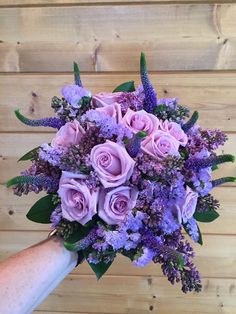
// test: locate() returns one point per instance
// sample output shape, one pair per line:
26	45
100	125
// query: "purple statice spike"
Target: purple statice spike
150	94
134	145
56	216
46	122
77	75
201	163
192	227
188	125
26	184
223	180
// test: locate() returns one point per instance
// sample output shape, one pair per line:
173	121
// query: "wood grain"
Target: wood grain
107	38
138	295
216	258
41	39
213	94
39	3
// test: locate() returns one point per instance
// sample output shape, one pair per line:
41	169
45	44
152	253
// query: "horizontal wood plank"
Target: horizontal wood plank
213	94
13	211
106	37
216	258
140	296
25	142
29	3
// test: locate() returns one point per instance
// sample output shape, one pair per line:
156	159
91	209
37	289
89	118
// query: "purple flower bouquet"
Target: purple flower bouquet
125	173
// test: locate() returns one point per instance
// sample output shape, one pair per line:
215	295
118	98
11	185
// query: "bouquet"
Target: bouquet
126	173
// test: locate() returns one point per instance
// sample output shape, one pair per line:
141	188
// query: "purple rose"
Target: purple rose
70	133
141	120
186	207
160	145
78	202
104	99
112	163
175	130
73	93
115	205
112	111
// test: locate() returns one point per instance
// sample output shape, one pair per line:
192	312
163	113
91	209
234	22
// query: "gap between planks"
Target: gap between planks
125	73
75	3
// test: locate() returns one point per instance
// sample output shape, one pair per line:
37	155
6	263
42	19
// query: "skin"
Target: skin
28	277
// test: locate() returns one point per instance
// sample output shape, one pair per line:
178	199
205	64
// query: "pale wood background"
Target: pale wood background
191	50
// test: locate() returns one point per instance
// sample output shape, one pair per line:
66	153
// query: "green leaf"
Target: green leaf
77	75
17	180
78	234
32	154
100	268
143	63
199	233
215	167
125	87
159	108
180	261
41	211
200	236
207	216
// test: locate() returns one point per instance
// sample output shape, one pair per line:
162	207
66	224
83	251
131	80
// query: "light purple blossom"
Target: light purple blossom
145	258
51	154
116	239
73	93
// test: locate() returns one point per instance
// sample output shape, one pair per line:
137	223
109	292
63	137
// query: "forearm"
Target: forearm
29	276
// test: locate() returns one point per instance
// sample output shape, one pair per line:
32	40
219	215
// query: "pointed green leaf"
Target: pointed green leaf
215	167
17	180
78	234
180	261
19	116
207	216
100	268
200	236
125	87
199	233
143	64
77	75
32	154
41	211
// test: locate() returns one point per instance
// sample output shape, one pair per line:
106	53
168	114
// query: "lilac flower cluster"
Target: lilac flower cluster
133	100
127	173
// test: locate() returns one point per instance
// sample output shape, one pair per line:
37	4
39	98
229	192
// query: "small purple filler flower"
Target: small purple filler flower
73	93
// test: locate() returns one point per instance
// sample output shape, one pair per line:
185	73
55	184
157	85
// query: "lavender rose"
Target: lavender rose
114	205
138	121
186	207
112	111
112	163
104	99
73	93
70	133
175	130
160	145
78	203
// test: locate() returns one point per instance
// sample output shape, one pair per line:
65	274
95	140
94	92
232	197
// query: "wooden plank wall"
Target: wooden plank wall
191	51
